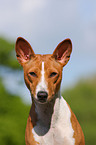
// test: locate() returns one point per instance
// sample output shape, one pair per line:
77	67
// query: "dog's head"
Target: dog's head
43	73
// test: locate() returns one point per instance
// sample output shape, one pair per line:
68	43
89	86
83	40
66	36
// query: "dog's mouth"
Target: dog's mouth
42	100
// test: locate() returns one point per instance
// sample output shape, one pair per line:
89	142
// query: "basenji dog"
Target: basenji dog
51	120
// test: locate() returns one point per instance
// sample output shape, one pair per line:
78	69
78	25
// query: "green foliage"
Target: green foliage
13	118
82	99
7	54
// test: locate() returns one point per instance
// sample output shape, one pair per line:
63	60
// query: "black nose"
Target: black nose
42	96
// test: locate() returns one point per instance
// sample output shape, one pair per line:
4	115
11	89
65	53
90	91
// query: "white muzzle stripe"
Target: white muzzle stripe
41	86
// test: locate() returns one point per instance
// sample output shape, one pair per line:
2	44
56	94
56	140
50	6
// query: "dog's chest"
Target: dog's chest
60	132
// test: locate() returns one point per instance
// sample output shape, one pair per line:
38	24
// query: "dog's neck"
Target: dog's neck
47	114
45	111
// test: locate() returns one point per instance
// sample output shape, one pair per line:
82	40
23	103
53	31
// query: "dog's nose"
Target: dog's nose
42	96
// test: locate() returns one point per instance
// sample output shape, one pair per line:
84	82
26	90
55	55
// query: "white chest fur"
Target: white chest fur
60	131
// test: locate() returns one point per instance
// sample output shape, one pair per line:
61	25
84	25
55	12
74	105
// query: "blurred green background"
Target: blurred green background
14	112
45	23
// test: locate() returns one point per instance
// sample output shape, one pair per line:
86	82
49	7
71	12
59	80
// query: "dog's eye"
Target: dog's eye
53	74
33	74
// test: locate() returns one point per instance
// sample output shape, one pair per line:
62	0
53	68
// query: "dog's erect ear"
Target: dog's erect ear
24	51
63	51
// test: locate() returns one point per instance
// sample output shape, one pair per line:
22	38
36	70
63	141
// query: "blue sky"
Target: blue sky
44	23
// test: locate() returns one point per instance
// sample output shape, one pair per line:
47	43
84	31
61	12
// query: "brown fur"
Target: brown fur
35	65
78	133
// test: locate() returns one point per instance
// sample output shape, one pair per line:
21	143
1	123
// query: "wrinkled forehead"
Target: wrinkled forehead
45	61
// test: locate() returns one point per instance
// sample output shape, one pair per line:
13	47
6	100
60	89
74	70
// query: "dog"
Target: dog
51	120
